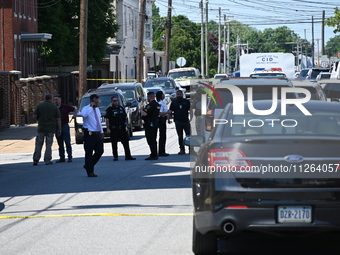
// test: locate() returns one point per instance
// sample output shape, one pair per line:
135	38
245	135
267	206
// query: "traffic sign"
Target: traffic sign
181	61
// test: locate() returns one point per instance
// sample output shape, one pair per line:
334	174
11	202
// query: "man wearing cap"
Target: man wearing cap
65	129
150	116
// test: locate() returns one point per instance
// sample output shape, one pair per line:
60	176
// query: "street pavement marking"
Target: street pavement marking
95	214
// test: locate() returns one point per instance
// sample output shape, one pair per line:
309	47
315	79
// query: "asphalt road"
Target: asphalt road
132	207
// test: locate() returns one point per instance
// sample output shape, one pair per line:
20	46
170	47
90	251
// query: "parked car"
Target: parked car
133	93
155	89
236	74
262	89
258	177
105	101
314	72
221	76
323	76
167	83
303	74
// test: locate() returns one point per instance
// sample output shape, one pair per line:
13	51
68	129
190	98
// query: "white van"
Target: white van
335	71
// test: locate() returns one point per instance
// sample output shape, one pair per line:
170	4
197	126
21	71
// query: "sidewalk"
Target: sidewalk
20	139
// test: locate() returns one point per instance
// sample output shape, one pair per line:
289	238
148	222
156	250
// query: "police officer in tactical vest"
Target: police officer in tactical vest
116	119
150	116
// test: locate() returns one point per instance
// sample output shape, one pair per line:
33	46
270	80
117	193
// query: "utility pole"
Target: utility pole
224	45
323	33
317	41
82	85
219	41
206	40
312	41
306	50
202	39
167	39
140	53
228	51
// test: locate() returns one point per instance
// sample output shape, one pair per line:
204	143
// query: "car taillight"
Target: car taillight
228	158
209	119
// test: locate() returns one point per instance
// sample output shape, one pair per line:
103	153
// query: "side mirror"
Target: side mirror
194	140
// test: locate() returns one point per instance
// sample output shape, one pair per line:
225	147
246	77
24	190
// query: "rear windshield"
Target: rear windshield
294	123
183	74
165	84
259	93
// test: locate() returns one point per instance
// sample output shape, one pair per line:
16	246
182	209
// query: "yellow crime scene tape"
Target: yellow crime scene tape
124	80
94	215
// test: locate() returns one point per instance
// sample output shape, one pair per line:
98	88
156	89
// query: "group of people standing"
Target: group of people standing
53	120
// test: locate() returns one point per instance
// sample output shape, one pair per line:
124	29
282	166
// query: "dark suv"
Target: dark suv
275	174
134	94
105	101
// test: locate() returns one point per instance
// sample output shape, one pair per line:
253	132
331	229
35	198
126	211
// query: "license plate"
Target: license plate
294	214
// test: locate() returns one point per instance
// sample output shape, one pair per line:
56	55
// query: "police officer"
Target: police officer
150	116
116	126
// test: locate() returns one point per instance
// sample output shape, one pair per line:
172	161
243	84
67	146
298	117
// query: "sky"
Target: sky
261	14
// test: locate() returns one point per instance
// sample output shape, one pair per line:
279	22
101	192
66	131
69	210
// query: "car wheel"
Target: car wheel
79	140
203	244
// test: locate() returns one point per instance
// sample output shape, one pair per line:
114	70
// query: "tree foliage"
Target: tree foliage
186	36
62	21
334	21
333	46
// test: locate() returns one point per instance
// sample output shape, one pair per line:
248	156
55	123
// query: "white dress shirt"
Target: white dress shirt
164	108
89	118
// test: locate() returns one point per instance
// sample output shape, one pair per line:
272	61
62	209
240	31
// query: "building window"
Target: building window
147	31
15	48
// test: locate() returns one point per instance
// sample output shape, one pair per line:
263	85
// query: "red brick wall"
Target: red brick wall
14	25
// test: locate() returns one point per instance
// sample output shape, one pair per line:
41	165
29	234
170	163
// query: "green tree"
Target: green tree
184	42
62	21
333	46
334	21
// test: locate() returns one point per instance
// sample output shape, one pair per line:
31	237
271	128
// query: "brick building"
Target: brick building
19	37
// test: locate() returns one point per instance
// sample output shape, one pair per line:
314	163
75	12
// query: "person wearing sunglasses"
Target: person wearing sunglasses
116	119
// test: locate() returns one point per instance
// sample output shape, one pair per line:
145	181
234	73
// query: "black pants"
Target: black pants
122	134
180	127
162	134
92	143
151	138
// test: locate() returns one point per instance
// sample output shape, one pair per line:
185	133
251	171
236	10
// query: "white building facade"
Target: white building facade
123	63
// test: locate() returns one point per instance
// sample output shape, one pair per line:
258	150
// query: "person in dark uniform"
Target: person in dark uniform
181	107
116	119
150	116
162	119
93	134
